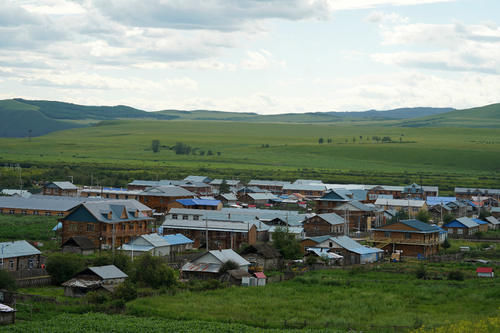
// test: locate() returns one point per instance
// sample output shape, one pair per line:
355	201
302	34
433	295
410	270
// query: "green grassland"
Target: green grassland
31	228
442	156
372	301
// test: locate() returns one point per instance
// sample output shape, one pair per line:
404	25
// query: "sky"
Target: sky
269	57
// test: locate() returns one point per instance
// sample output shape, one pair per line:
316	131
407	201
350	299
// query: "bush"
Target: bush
125	291
456	275
120	260
286	243
446	244
7	281
153	272
421	272
227	266
97	297
62	266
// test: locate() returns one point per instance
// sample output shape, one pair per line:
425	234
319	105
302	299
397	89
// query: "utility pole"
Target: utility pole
113	241
206	232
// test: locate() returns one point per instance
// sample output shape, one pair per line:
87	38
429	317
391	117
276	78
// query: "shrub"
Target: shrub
153	272
63	266
456	275
227	266
446	244
7	281
421	272
97	297
125	291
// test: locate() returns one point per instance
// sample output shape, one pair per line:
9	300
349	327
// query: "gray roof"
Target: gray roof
399	202
41	202
262	196
354	206
331	218
229	196
468	222
308	182
201	267
108	272
154	239
257	182
471	190
495	209
64	185
302	187
167	191
230	182
492	220
17	249
353	246
199	179
207	224
227	254
21	193
101	209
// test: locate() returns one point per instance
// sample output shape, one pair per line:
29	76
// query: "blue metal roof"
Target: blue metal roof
177	239
431	201
478	221
198	202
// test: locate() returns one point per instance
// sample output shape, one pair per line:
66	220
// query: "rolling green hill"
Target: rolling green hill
486	116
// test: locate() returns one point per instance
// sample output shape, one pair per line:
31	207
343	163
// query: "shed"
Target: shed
7	315
485	272
78	244
94	278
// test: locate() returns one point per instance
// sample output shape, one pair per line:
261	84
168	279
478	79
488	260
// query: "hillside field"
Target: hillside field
453	156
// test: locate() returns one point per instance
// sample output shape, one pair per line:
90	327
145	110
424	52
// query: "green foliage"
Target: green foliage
456	275
286	243
448	217
182	148
224	187
153	272
484	213
421	272
227	266
28	227
423	215
400	215
155	145
97	297
62	266
446	244
125	291
6	280
320	140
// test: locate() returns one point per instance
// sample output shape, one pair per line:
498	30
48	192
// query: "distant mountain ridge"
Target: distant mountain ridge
22	118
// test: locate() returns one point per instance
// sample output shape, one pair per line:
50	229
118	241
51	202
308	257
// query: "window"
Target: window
11	212
124	226
196	217
11	264
60	214
387	234
73	227
31	263
126	197
48	213
130	226
460	231
145	199
185	217
407	235
174	216
90	227
35	212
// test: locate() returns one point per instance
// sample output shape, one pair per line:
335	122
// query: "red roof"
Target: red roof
484	270
259	275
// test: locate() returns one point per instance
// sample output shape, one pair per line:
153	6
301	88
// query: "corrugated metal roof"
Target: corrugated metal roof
431	201
260	275
177	239
108	272
21	193
211	225
6	308
230	182
201	267
226	255
167	191
478	221
200	179
302	187
257	182
229	196
399	202
41	203
64	185
100	210
262	196
154	239
492	220
332	218
461	222
17	249
138	248
320	239
471	190
353	246
198	202
292	230
323	252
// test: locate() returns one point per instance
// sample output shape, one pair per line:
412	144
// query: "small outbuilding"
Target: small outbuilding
485	272
92	279
7	315
79	245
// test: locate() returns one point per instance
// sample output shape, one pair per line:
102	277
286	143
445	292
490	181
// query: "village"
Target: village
238	234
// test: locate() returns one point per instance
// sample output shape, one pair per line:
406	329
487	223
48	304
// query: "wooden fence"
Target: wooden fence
36	277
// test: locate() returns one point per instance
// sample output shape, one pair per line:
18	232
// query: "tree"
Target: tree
447	218
153	272
286	243
224	187
6	280
120	260
125	291
209	153
329	140
484	213
423	216
155	145
386	139
320	140
400	215
446	244
63	266
227	266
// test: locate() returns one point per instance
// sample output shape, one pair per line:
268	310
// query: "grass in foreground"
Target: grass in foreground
368	301
16	227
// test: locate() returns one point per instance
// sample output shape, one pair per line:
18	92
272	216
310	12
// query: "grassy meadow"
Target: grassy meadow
456	156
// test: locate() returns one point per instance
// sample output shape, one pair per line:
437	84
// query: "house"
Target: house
461	227
329	258
308	191
208	265
221	234
198	179
412	207
483	225
160	198
17	193
79	244
197	204
351	251
39	205
297	231
109	193
152	243
274	186
495	211
7	315
416	191
107	223
232	183
411	237
485	272
469	192
227	199
361	217
324	224
493	223
330	200
263	257
258	199
92	279
178	243
19	256
66	189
